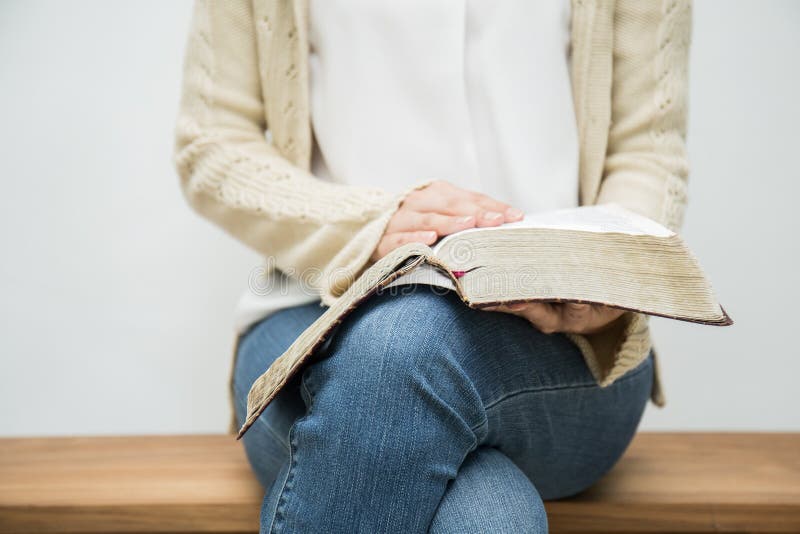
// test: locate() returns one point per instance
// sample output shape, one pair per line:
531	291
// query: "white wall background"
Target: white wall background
115	299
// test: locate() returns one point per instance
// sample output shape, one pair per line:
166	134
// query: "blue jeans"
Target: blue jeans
422	414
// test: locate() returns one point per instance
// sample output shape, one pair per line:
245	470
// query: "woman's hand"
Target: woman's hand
440	209
566	317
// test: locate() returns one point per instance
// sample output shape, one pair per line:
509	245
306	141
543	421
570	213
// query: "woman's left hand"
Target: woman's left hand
566	317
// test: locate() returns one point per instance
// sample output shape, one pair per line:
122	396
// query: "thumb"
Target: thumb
577	306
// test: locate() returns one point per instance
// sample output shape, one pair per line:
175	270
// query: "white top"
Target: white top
485	83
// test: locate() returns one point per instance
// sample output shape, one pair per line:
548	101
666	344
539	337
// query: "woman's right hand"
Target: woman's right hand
440	209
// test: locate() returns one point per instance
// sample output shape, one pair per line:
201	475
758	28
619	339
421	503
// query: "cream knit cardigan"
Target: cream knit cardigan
246	73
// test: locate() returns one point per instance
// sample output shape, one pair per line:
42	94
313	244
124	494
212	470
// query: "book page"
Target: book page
604	218
425	274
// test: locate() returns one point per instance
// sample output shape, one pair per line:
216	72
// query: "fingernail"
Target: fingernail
430	235
514	213
466	219
492	215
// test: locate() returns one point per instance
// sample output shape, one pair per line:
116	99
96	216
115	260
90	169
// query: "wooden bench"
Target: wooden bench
682	482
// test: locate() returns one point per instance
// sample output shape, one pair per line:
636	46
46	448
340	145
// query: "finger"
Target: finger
411	217
443	197
412	221
462	206
483	217
489	218
436	198
576	316
543	316
488	204
389	242
511	309
577	306
513	214
601	317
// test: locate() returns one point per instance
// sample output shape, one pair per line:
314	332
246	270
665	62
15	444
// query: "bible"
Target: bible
602	254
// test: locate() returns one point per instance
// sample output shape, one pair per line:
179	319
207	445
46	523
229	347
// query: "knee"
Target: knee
393	350
520	507
386	341
490	494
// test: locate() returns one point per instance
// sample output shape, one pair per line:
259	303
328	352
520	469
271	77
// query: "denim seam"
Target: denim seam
285	481
477	427
640	369
471	448
292	458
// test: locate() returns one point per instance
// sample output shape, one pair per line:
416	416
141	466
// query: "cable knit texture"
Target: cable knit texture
243	142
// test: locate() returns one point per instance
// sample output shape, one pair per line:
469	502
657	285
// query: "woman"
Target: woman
324	134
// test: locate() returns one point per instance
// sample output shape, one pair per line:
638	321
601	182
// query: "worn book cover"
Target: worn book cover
594	254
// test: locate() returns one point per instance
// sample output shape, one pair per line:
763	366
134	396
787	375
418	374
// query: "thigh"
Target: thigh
266	443
566	436
543	407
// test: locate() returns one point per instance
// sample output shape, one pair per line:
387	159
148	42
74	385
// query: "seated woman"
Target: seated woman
326	133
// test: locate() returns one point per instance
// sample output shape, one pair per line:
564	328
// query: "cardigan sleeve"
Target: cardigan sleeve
646	167
321	232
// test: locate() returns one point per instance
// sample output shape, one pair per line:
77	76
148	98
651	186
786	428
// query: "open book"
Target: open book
594	254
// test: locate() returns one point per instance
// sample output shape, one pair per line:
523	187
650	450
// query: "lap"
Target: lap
543	407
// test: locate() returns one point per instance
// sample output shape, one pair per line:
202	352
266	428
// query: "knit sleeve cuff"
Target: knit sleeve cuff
354	258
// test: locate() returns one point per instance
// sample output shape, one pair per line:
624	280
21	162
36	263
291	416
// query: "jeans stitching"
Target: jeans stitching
477	427
625	378
292	461
285	482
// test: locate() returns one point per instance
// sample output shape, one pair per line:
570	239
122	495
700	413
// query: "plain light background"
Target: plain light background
117	299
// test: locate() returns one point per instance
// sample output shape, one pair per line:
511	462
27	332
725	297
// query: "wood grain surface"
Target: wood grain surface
681	482
692	482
